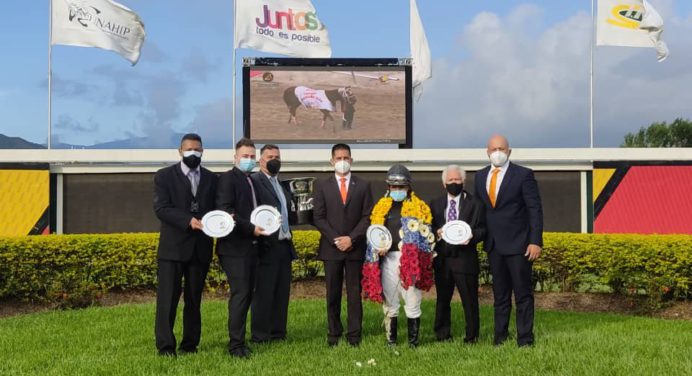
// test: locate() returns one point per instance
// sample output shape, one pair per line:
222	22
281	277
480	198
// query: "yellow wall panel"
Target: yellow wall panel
24	196
601	176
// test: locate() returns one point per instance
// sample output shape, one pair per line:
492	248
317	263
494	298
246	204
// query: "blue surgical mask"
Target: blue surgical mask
247	164
397	195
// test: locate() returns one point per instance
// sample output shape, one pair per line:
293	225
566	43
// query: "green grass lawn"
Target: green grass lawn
120	340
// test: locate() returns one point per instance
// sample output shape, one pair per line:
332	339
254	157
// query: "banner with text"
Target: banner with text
287	27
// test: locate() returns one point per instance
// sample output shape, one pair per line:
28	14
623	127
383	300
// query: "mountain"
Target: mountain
167	142
7	142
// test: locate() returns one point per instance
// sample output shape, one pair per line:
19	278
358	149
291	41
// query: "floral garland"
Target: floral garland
417	241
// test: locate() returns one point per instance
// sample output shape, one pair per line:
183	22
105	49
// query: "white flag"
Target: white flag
287	27
630	23
97	23
420	51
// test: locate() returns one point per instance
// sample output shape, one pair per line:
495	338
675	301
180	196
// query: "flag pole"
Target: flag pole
50	70
234	70
591	44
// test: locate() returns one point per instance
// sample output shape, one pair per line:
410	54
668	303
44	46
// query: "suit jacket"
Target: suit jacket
333	218
517	218
234	196
266	195
172	203
460	258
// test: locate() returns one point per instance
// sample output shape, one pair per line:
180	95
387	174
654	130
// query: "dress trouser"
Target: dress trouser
272	291
467	286
334	271
512	273
392	289
170	285
241	273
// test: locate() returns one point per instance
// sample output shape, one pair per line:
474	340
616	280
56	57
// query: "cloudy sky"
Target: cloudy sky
516	67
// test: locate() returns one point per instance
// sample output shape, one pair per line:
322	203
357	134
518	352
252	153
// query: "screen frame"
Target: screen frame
340	63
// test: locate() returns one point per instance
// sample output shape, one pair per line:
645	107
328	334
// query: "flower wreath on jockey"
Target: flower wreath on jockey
405	269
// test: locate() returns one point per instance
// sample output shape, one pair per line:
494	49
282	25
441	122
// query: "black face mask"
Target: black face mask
192	161
273	166
454	189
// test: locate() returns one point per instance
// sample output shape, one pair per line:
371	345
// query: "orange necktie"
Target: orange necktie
493	185
343	190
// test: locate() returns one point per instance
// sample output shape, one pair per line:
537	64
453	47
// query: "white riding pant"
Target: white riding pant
391	286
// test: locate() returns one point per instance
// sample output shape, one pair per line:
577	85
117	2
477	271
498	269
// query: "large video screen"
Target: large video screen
327	104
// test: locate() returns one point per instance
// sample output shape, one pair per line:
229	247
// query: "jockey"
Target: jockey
406	267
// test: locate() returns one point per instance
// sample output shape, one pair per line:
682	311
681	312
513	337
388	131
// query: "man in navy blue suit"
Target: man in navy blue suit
514	217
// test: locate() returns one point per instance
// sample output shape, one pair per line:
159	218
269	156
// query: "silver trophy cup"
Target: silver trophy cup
301	205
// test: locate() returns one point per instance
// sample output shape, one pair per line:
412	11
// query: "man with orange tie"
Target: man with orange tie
514	218
341	212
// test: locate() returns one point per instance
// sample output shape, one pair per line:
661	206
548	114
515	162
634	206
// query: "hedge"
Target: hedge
76	269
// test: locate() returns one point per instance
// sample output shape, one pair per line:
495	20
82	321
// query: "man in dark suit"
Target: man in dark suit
273	285
457	265
514	216
238	251
341	211
183	193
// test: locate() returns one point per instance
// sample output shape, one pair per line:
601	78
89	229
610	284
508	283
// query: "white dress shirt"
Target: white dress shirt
186	171
338	181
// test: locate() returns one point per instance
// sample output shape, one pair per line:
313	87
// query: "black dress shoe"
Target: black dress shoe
242	352
526	344
471	341
497	341
445	339
354	343
170	353
183	351
332	342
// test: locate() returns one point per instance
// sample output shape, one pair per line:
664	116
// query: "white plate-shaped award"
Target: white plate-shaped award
217	223
456	232
379	237
267	217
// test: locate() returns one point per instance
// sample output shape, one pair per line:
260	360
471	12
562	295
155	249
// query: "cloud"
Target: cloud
196	66
71	88
124	81
67	123
533	86
162	95
151	53
213	123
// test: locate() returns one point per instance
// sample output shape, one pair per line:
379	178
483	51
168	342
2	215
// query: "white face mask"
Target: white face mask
342	167
498	158
196	153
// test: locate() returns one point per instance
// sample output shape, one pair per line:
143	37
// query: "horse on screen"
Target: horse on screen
323	100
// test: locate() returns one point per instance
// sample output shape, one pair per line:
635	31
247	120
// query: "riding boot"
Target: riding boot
413	331
390	329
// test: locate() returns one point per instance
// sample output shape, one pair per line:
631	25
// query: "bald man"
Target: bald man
514	218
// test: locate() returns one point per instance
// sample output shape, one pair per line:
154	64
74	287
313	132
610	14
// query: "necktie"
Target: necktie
344	191
452	212
284	234
192	175
493	185
252	189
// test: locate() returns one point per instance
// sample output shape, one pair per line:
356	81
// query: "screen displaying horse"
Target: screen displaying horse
326	104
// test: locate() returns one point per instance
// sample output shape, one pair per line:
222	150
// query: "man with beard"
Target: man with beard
273	286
